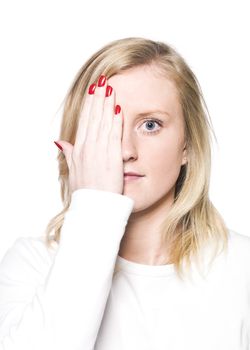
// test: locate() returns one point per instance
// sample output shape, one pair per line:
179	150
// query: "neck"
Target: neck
142	240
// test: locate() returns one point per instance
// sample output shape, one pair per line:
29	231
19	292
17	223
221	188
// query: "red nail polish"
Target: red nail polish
102	80
117	109
109	90
92	89
59	146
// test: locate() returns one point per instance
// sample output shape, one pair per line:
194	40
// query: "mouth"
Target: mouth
132	173
128	177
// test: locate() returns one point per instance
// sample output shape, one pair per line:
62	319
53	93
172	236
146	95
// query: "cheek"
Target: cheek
165	160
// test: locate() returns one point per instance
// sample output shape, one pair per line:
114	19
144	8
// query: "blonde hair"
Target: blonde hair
193	222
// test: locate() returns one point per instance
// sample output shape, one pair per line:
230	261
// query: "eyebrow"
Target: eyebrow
144	114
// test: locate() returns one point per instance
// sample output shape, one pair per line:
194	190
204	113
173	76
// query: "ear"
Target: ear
184	155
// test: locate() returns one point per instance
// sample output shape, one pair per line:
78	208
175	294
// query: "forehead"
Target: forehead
145	88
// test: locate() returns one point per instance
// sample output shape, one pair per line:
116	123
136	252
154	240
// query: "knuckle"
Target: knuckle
99	92
91	140
106	127
116	135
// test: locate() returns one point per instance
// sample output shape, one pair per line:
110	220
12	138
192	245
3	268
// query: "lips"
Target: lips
132	174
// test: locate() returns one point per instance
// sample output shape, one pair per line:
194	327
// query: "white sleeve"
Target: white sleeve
66	310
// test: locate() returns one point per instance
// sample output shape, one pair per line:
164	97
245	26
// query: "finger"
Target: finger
67	149
96	110
108	114
84	118
117	127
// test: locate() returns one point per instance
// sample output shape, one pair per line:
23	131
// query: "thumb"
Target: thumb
66	148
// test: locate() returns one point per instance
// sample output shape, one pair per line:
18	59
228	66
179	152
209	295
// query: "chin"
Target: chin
145	205
141	205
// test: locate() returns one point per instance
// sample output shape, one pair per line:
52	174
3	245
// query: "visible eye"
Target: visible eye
150	123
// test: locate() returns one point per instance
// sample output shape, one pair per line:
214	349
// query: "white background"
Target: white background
43	45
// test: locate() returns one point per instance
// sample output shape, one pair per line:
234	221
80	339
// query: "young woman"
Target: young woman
139	258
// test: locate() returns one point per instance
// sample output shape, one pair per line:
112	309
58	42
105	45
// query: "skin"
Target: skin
158	156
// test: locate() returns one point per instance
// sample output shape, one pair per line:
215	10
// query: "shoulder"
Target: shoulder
239	252
239	243
27	259
23	269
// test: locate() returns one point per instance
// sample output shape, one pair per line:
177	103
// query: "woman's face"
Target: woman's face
155	151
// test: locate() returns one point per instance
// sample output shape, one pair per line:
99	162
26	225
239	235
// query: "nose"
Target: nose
129	144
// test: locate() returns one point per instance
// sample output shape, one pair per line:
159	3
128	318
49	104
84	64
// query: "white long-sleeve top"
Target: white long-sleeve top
69	297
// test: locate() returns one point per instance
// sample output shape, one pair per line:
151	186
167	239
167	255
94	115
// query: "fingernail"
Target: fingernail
109	90
117	109
59	146
102	80
92	89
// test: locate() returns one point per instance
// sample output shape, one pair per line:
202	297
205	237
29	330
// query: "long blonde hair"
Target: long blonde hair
193	221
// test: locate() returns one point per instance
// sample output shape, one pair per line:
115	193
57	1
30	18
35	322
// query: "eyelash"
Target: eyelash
158	122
